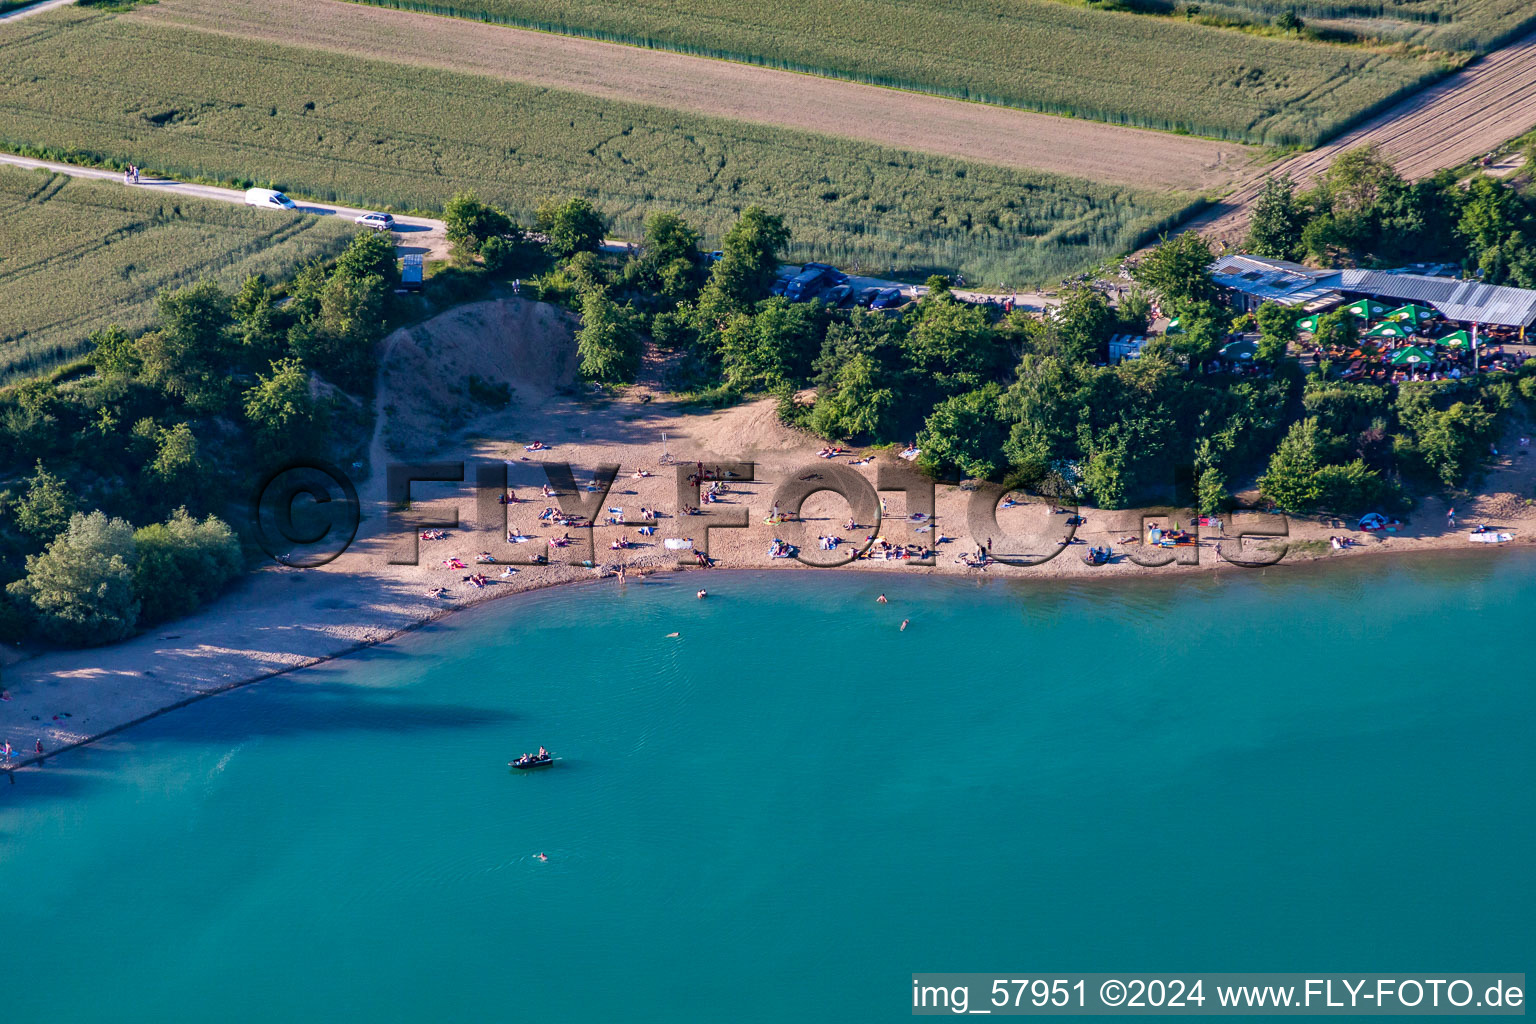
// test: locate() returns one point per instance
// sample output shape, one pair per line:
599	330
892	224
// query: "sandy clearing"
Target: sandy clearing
281	618
1458	119
888	117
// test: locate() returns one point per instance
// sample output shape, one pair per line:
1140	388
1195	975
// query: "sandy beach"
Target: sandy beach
281	618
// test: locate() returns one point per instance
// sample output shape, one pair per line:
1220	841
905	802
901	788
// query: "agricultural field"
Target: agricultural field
898	119
373	133
77	255
1455	25
1115	66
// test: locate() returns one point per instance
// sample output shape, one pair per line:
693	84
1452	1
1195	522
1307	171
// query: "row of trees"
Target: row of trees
164	431
1361	212
1029	398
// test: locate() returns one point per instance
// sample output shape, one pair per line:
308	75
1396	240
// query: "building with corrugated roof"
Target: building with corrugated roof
1256	280
1259	280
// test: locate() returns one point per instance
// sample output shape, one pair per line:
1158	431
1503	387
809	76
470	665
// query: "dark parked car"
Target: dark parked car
866	296
889	298
777	288
813	279
838	295
837	276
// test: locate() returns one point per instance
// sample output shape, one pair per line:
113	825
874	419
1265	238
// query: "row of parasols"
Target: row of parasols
1396	325
1388	325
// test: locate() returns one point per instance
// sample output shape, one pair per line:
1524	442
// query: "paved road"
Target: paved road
412	234
37	8
1456	120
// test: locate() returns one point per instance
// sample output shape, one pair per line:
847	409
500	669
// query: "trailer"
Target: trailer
411	273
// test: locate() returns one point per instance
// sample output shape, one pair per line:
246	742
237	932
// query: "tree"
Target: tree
339	339
469	222
113	352
1356	180
748	264
281	409
952	346
369	253
1203	328
1336	329
1278	220
608	344
1290	22
175	465
498	253
81	588
964	434
1350	487
190	354
1179	270
1082	324
1447	445
571	227
1290	481
258	322
1211	492
182	563
861	404
772	348
1277	329
670	262
46	508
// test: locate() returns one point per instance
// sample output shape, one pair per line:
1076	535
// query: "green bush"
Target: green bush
82	588
182	564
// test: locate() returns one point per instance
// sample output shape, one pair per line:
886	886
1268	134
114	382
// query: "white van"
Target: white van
269	198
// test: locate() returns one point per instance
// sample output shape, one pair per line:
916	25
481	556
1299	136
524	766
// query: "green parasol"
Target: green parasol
1389	330
1411	314
1239	350
1410	356
1366	309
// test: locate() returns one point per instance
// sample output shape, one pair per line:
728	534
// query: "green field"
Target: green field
1125	68
1471	25
372	133
77	255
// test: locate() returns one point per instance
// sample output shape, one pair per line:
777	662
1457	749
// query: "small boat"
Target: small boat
1489	537
527	761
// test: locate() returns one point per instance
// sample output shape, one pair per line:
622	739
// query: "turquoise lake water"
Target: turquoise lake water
784	812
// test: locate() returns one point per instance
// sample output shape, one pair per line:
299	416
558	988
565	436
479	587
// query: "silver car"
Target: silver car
377	221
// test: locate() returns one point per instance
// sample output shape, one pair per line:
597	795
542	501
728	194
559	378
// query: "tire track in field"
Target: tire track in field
901	120
1456	120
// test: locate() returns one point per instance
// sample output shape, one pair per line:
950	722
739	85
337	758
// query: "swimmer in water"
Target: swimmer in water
904	624
703	594
881	600
671	635
541	857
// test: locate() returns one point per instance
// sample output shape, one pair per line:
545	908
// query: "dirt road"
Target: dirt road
910	121
412	234
1456	120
